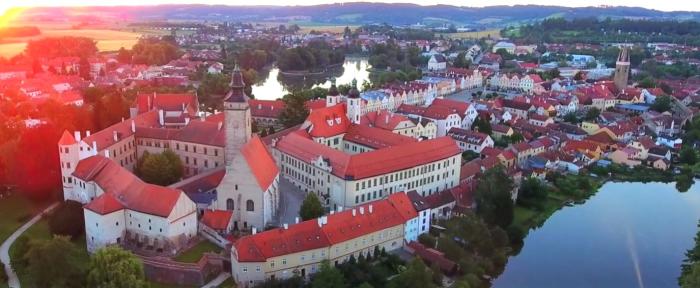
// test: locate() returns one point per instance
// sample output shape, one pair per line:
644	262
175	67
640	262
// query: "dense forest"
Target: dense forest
592	30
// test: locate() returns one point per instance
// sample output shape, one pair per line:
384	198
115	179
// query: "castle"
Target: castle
122	209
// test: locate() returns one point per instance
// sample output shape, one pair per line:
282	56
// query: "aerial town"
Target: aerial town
239	154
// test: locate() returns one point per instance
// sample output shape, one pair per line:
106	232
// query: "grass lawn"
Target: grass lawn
14	211
195	253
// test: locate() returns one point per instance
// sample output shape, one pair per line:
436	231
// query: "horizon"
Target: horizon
666	6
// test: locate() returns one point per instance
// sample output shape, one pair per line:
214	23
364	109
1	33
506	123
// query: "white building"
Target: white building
437	62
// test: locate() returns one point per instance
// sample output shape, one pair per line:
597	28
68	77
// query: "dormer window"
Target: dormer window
337	120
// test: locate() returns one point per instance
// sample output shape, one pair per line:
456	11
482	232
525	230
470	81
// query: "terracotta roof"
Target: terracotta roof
104	204
266	108
260	162
516	105
67	139
217	219
169	102
340	227
328	121
374	137
368	164
467	136
434	257
129	190
383	119
460	106
105	137
441	198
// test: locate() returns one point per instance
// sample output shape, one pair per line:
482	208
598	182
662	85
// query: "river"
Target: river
274	86
627	235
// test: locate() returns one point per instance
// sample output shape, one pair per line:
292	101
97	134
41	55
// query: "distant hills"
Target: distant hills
364	13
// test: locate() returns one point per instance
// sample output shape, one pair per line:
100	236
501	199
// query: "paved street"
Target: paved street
13	281
218	280
290	202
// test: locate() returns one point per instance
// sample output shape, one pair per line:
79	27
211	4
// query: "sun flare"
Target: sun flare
8	14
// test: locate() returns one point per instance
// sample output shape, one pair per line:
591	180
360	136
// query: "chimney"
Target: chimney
76	135
187	120
161	117
319	222
115	136
122	119
255	230
387	119
87	133
221	124
133	126
94	147
324	219
362	210
353	212
332	212
286	226
296	220
370	208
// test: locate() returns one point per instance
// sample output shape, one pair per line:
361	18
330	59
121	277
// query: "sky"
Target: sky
668	5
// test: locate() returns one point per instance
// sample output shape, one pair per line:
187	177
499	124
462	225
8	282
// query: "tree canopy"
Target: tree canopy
328	276
161	169
53	263
493	197
114	267
65	46
67	219
311	207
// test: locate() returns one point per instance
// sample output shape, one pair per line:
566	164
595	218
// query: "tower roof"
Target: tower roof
236	92
333	91
354	93
67	139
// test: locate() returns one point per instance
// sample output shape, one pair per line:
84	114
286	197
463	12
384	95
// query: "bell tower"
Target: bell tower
333	97
236	116
354	104
622	69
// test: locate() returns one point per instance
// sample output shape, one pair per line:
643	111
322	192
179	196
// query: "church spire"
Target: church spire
236	92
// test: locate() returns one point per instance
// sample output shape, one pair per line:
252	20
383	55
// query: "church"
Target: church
120	208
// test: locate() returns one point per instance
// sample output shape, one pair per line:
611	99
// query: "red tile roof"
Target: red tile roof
328	121
169	102
217	219
374	137
340	227
460	106
266	108
104	204
260	162
66	139
383	119
105	137
129	190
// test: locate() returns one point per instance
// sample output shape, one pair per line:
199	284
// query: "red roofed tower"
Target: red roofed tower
69	156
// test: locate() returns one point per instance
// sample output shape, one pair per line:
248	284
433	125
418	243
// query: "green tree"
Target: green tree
114	267
211	91
661	104
84	68
54	263
689	268
692	278
161	169
532	193
311	207
295	111
484	126
571	118
328	276
493	197
415	275
688	155
592	114
18	254
67	219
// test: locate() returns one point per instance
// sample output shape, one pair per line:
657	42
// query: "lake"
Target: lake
275	85
627	235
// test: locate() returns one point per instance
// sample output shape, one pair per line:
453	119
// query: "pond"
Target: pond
276	84
627	235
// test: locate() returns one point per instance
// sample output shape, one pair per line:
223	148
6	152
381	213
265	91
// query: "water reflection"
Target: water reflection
276	84
627	235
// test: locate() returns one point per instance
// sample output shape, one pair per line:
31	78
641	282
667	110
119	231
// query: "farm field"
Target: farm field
493	33
107	40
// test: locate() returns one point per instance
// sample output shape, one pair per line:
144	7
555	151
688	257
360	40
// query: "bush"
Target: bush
3	274
68	220
17	256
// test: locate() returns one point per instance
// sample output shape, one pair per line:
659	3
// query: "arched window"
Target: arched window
229	204
249	205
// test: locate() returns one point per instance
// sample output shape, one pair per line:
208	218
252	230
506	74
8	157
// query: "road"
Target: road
217	281
13	281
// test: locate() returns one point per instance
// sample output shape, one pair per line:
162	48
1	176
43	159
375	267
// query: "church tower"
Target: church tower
333	97
354	104
236	116
622	69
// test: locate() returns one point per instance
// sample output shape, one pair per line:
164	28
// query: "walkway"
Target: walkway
13	281
218	280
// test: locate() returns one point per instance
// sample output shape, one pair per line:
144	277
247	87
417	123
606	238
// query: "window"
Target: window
229	204
250	205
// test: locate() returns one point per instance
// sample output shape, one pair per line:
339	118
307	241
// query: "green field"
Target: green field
15	211
195	253
493	33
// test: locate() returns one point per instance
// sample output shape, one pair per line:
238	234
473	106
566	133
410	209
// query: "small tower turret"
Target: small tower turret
354	104
333	97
